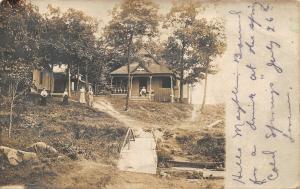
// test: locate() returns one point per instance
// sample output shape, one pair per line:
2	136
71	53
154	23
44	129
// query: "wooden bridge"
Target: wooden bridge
138	153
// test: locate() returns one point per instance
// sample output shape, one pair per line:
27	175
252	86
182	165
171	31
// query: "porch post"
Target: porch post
150	87
172	91
131	78
111	81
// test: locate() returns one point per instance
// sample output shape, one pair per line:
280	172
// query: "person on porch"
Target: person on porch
143	91
44	95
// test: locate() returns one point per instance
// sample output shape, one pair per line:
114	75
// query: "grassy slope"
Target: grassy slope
154	112
75	131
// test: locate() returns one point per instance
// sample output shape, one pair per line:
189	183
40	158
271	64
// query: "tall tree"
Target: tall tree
211	43
19	33
193	44
132	20
69	38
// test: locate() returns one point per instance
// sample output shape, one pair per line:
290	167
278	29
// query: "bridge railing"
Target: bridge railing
128	138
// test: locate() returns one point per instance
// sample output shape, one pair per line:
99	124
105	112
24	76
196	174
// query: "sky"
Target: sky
101	10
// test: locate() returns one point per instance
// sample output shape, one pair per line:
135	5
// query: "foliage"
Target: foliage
133	22
18	46
207	146
194	41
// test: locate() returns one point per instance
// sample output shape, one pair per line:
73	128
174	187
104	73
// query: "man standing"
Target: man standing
44	95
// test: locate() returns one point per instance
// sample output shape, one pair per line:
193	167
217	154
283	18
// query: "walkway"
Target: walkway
139	155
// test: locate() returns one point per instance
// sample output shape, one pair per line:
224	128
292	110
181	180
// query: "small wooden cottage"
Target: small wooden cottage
53	81
160	82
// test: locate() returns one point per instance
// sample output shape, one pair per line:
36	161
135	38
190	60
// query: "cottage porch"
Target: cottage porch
158	87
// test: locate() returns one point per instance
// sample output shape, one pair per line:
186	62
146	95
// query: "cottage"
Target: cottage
42	78
53	81
160	82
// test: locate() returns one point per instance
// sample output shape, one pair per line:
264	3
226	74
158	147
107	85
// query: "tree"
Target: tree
193	44
210	40
81	41
132	20
69	38
19	35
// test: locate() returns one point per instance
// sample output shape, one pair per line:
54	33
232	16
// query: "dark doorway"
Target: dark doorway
60	82
142	83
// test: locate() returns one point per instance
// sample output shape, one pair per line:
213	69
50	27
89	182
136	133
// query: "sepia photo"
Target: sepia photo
143	94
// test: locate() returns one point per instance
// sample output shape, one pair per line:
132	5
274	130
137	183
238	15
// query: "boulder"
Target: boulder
15	157
43	148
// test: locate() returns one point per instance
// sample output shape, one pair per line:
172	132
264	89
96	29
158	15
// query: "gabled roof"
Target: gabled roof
148	66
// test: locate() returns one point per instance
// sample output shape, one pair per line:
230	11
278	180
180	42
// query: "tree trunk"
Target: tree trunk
13	93
69	81
51	79
10	117
78	77
86	76
128	71
181	72
181	87
204	91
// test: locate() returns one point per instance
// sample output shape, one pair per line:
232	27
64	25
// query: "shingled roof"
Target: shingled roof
148	66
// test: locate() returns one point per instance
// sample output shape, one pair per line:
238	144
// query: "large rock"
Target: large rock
13	187
15	157
43	148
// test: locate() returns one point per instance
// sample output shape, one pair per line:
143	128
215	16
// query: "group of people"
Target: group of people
90	96
65	101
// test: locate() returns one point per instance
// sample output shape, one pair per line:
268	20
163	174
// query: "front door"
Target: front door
142	83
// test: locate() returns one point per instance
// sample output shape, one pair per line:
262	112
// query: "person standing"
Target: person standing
91	97
65	98
82	96
44	95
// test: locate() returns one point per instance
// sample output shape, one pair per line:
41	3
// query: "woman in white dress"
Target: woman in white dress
91	97
82	96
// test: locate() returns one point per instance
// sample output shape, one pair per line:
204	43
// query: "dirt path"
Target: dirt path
138	155
103	105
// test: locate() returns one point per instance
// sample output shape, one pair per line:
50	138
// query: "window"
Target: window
166	82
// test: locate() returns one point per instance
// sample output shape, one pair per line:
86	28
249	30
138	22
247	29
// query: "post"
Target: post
131	78
111	81
150	87
172	91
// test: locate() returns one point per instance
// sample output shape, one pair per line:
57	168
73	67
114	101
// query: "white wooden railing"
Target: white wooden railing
128	138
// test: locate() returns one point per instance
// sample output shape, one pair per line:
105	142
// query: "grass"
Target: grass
154	112
76	131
